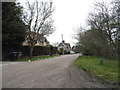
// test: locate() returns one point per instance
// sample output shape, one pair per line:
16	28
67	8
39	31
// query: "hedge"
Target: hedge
37	51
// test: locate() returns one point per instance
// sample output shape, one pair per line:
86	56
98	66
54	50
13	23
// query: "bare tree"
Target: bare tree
37	16
103	20
100	37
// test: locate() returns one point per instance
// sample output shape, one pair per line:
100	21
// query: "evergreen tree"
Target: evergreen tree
13	28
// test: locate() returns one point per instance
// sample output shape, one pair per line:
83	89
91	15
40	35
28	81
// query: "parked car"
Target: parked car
72	52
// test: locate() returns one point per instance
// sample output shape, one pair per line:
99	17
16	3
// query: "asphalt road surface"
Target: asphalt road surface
58	72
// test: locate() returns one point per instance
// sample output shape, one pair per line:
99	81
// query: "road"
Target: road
58	72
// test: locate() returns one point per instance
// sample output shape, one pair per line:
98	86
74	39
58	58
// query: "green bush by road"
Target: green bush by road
108	71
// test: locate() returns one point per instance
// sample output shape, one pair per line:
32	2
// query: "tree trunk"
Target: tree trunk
31	51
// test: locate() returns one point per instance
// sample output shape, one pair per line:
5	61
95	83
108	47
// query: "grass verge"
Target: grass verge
107	72
34	58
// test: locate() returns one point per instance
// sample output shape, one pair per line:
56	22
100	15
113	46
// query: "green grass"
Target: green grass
108	71
34	58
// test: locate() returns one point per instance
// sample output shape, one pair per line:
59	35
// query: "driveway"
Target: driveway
58	72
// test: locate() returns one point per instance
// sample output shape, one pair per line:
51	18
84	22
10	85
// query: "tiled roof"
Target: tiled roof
65	44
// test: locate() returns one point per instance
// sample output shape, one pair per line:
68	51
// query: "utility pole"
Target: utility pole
62	37
62	44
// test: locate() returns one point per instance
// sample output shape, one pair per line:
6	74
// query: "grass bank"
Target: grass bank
34	58
107	72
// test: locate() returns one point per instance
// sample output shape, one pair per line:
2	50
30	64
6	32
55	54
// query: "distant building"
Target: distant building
64	47
41	41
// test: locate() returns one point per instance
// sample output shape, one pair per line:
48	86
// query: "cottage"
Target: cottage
64	48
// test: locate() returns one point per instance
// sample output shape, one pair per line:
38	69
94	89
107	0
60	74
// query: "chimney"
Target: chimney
63	41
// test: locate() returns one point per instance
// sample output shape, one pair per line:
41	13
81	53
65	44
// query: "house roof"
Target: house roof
40	37
65	45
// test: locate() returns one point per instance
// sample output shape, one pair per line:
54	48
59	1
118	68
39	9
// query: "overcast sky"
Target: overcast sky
68	14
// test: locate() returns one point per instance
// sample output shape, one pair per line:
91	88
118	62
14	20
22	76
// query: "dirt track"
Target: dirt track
58	72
